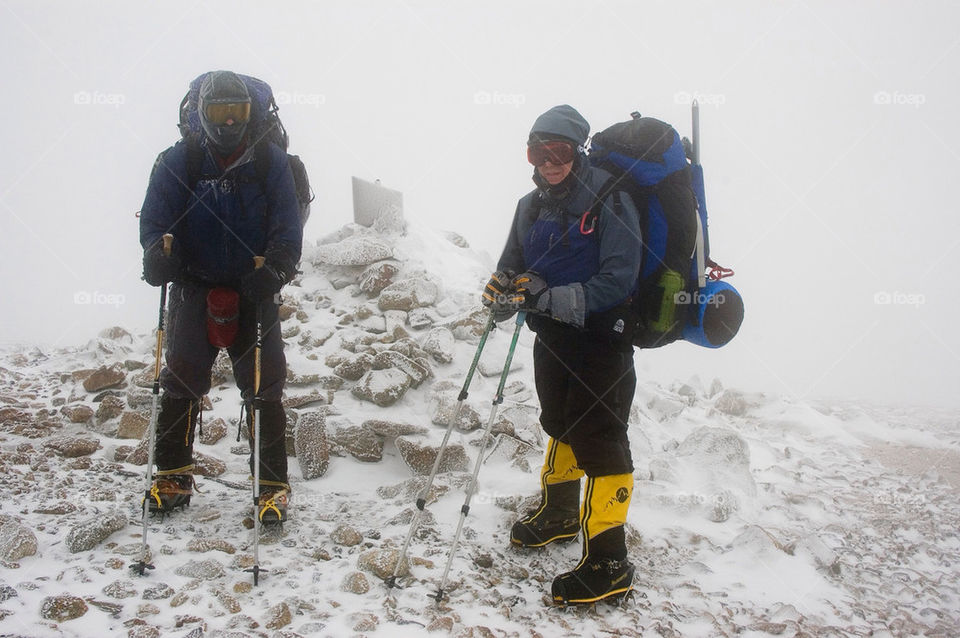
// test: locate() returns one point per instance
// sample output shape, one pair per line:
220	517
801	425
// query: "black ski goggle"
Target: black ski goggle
556	153
219	113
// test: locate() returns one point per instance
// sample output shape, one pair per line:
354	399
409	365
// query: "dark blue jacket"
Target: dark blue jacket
605	262
231	216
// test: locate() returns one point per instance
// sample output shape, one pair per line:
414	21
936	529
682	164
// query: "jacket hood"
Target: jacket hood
562	121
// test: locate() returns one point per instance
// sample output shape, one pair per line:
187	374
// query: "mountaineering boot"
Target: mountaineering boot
272	505
604	571
557	518
170	491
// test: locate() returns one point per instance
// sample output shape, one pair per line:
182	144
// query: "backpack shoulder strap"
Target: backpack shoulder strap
195	153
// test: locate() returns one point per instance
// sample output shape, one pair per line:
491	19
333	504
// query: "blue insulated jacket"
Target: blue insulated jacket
231	216
551	237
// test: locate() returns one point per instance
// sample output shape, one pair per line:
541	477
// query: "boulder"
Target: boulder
346	536
72	446
110	408
731	403
62	608
420	458
208	569
439	344
378	276
354	367
382	562
442	407
16	540
353	251
360	443
382	387
311	445
392	359
213	431
133	425
355	583
89	533
105	377
391	430
407	294
77	413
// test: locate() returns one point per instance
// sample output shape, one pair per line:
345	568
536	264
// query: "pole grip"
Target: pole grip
167	244
258	262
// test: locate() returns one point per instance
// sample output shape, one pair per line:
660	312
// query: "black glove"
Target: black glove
159	268
499	296
262	283
531	288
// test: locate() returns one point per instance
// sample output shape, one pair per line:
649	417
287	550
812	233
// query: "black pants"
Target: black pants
186	378
190	357
586	386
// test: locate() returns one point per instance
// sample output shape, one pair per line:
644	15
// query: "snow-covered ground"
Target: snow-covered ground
752	515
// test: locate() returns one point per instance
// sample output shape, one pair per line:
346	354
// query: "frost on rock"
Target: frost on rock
89	533
16	540
382	387
311	445
382	562
443	406
62	608
420	458
378	276
105	377
409	294
353	251
360	443
209	569
439	344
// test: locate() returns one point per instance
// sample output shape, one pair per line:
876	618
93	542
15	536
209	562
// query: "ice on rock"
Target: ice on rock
353	251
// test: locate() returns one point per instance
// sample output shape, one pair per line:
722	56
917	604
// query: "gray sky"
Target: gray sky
829	142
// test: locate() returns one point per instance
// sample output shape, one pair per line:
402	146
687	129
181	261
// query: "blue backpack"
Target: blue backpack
649	162
265	127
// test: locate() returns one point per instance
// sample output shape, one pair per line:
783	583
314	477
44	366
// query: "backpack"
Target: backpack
265	127
649	162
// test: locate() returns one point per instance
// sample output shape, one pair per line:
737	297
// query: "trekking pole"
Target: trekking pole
391	581
465	508
142	564
258	263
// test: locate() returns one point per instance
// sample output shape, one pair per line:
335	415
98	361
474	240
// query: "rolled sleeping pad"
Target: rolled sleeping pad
718	316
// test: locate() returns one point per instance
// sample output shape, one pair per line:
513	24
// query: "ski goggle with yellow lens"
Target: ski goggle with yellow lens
219	113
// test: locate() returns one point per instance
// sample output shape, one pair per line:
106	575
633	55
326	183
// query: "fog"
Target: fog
829	138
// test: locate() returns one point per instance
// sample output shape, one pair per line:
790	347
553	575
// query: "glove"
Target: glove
531	287
499	296
497	289
159	268
262	283
565	304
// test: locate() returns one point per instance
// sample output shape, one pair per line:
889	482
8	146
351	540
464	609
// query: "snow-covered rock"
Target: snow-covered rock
310	442
382	387
353	251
